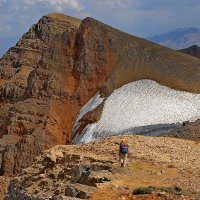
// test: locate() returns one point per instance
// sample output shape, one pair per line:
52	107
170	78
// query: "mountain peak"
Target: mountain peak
62	17
194	50
194	46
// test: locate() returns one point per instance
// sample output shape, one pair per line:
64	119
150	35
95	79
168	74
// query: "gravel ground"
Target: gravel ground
152	161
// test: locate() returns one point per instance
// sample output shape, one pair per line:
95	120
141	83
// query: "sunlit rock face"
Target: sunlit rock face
143	106
58	66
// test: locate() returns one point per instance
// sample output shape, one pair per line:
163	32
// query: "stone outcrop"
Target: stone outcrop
58	65
4	182
92	170
60	174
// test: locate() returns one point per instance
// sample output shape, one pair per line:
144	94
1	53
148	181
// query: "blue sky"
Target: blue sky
139	17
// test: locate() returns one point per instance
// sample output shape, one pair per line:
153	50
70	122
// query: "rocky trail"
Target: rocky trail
92	171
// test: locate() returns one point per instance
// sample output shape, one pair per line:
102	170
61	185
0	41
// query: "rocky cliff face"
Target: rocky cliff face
58	66
32	91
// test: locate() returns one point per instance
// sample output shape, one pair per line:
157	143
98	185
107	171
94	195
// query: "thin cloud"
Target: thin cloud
139	17
58	5
2	2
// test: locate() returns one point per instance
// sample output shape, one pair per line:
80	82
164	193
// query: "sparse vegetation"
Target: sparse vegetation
144	190
150	189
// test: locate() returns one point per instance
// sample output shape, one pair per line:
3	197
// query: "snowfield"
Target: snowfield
140	105
89	106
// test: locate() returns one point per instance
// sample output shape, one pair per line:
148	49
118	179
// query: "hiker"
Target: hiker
123	151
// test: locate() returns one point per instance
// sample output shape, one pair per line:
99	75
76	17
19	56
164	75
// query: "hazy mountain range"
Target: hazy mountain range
178	38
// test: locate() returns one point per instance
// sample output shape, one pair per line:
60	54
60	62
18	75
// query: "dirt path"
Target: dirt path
139	174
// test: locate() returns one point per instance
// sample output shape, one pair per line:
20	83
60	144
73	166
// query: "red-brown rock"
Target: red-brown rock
58	66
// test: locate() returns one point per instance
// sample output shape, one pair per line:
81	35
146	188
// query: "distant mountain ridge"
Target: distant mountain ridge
178	38
193	51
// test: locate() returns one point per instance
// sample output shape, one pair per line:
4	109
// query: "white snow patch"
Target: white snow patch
86	135
89	106
143	103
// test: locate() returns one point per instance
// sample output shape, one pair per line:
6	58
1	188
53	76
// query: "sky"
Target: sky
138	17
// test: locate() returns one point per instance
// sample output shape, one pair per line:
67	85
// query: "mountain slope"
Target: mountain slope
58	66
179	38
193	51
93	171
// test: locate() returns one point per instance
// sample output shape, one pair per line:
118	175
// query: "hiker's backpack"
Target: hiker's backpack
123	148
